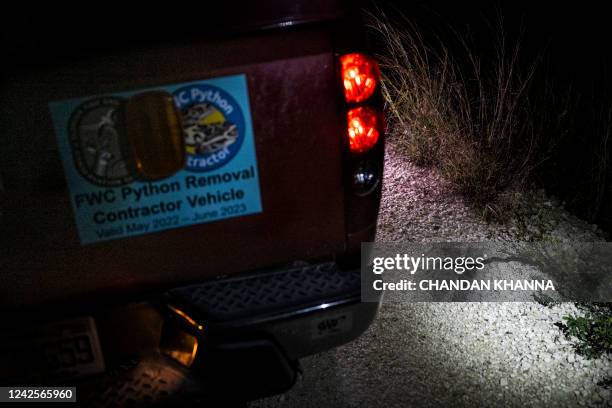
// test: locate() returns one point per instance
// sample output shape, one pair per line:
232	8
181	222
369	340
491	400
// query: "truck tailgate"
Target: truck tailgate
296	122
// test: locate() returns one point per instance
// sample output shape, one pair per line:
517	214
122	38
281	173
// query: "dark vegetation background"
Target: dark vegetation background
572	87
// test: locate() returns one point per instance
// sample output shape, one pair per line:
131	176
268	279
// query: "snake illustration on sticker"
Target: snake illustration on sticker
213	125
148	160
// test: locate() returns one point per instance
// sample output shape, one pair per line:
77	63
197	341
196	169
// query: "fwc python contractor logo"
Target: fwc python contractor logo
103	142
213	124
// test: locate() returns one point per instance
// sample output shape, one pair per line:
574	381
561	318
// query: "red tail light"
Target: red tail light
363	128
359	75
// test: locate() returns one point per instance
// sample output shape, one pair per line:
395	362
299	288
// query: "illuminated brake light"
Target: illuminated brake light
359	76
363	125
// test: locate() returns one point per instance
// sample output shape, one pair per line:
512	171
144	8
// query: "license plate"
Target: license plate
60	350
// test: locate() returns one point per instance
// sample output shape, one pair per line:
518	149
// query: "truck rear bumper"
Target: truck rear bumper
304	310
252	330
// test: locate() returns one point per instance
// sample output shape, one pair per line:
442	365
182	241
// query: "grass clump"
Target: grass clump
592	332
473	118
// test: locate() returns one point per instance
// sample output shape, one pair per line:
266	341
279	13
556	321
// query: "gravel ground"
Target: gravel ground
456	354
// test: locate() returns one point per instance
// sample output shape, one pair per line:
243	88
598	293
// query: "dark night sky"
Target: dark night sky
576	35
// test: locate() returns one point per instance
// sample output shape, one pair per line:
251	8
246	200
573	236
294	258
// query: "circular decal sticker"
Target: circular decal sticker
97	142
213	124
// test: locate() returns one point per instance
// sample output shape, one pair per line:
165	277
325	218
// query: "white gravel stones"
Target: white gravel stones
457	354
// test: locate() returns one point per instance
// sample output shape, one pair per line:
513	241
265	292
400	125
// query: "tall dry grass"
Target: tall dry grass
471	117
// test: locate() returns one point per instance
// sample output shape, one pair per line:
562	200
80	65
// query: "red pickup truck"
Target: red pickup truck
184	216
